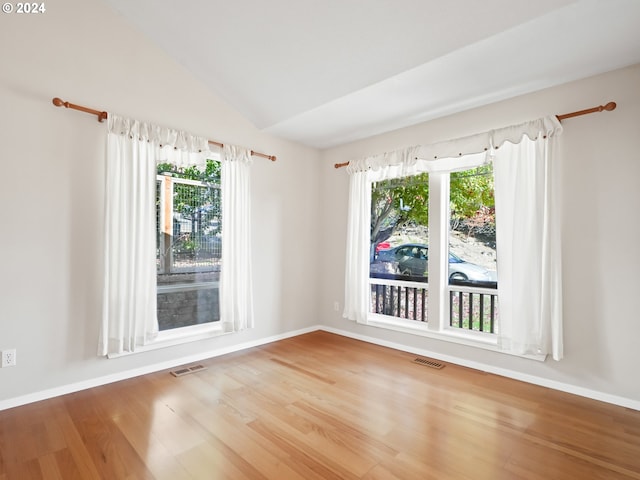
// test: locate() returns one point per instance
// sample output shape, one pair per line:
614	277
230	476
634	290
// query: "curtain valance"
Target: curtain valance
178	147
405	157
449	155
162	136
546	126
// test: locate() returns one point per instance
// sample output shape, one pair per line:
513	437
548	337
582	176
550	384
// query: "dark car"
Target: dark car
411	259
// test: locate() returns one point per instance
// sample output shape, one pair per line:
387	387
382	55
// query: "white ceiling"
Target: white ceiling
325	72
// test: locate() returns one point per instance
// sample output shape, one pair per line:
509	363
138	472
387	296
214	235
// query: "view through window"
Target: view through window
189	245
472	250
399	252
399	246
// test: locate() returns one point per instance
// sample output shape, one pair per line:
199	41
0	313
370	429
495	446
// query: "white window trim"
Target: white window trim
178	336
191	333
485	341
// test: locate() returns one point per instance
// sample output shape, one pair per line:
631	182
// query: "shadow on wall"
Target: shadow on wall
85	174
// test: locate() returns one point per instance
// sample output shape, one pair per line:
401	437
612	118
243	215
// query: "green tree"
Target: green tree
210	174
472	199
396	202
402	201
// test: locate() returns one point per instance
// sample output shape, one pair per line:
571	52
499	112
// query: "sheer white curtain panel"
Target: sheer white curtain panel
129	300
362	173
528	224
236	282
129	318
356	280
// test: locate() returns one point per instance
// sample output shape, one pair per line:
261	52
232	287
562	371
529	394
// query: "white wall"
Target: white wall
601	199
51	197
51	204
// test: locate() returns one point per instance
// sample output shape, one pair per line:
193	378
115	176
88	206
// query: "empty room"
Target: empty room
320	240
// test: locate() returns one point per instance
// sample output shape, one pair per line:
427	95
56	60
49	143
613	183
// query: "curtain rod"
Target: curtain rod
102	116
608	107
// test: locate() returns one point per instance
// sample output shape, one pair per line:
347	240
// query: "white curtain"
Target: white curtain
528	239
129	317
362	173
356	280
129	305
236	291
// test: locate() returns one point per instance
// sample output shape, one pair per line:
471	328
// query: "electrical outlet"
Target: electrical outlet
336	306
9	358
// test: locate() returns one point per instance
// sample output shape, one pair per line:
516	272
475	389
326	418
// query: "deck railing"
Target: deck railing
472	305
399	296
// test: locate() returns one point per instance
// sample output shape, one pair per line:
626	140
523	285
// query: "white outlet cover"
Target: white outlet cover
8	358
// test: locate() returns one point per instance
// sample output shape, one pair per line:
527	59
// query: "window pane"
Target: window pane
472	250
472	234
189	245
399	246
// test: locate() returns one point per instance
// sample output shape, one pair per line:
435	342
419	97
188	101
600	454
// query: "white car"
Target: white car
411	259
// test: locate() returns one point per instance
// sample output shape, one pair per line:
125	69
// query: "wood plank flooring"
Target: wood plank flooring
320	406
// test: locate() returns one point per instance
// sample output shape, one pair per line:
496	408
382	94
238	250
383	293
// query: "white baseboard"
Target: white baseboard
95	382
503	372
156	367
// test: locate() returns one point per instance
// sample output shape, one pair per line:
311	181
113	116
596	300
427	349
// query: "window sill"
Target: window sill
178	336
481	340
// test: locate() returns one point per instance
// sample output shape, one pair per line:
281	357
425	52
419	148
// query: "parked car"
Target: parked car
411	259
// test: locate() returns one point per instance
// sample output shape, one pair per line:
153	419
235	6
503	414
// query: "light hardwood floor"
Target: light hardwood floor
320	406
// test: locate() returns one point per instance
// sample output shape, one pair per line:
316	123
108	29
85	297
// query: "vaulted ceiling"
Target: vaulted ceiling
325	72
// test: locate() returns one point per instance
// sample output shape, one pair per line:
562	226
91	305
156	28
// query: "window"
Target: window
418	295
189	245
399	238
405	220
156	255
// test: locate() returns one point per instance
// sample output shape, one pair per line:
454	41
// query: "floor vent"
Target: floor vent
427	362
187	370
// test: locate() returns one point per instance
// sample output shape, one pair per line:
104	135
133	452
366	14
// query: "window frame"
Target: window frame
437	324
188	333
